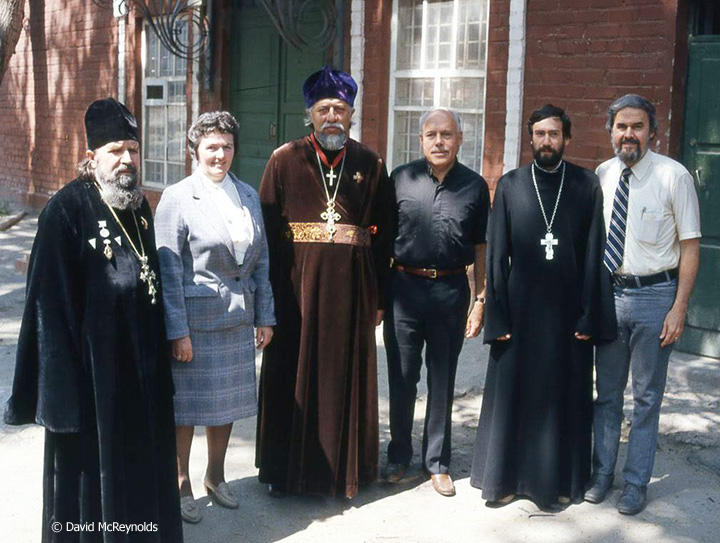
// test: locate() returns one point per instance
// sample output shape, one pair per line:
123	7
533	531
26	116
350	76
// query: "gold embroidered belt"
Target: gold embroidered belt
315	232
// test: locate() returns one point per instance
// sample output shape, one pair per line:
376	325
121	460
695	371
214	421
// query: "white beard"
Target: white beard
331	142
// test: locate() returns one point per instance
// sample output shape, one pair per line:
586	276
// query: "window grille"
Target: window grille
438	59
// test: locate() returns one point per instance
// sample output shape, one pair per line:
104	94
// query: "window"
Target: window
165	113
438	59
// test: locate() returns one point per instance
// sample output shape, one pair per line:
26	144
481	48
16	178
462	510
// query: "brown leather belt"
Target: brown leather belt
430	273
315	232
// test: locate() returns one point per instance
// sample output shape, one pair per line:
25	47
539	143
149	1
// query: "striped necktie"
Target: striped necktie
615	246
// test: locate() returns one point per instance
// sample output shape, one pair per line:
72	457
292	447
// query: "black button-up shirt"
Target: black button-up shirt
439	224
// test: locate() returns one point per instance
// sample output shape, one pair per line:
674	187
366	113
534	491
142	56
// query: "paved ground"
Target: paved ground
684	493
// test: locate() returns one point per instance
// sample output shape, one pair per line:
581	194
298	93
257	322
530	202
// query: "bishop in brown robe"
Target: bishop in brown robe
327	205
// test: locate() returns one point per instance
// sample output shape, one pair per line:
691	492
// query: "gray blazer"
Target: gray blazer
204	288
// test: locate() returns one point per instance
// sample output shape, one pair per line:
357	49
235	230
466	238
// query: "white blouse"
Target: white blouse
234	214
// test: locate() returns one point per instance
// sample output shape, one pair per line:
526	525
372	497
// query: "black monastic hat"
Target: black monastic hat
108	120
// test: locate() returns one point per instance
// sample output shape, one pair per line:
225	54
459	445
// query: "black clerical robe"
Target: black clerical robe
318	418
93	368
534	435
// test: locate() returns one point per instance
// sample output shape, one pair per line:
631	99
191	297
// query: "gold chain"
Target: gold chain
140	255
146	274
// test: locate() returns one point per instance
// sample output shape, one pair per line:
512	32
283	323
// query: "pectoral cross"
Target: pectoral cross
548	242
330	216
148	276
331	176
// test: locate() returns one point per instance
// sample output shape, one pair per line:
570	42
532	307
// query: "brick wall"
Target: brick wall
65	58
495	102
583	54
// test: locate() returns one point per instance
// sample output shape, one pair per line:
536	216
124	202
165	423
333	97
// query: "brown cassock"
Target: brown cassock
318	417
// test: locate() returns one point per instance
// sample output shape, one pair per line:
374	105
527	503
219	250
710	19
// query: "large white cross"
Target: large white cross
548	242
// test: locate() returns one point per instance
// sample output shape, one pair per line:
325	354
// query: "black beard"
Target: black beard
547	162
630	157
120	190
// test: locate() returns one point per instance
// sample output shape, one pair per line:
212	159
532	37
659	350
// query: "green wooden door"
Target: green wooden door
266	89
701	155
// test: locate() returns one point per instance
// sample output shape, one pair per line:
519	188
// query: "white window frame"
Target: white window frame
160	102
436	74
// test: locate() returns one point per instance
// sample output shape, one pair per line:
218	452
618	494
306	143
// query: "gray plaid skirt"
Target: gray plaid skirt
218	385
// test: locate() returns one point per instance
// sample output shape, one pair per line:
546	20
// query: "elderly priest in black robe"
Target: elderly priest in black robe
549	299
93	364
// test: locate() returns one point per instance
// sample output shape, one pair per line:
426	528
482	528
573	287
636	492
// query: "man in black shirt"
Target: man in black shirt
442	209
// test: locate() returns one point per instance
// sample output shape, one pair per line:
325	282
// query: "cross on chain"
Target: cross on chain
331	217
148	276
548	242
331	177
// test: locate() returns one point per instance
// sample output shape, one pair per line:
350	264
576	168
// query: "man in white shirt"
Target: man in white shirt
653	246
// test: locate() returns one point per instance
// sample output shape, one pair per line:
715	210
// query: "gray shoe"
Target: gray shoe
597	492
632	499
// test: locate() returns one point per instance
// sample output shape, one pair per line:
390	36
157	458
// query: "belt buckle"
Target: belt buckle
433	273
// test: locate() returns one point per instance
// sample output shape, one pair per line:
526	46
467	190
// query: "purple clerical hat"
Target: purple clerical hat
329	83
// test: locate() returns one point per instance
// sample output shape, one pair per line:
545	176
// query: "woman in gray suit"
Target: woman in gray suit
214	271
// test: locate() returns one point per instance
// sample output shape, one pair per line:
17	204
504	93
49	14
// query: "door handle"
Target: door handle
273	130
698	177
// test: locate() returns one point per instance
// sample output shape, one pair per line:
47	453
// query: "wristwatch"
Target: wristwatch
480	299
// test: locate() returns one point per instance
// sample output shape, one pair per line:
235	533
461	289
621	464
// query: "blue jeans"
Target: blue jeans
640	315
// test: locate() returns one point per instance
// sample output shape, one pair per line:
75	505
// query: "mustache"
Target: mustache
630	140
127	169
332	125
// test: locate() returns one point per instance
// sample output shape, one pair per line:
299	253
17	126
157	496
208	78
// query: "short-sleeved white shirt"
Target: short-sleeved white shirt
663	210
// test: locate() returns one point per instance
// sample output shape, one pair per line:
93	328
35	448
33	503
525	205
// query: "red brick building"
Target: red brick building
494	61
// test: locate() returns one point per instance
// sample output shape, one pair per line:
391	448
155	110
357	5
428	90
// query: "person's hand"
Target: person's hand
182	349
379	317
263	335
475	320
506	337
582	337
673	326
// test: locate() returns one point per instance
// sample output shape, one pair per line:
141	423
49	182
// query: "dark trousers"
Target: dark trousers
430	312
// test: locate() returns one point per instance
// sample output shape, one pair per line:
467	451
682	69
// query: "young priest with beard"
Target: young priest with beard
93	365
548	300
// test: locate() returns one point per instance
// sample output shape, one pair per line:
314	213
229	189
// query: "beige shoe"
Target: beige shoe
189	511
443	484
221	494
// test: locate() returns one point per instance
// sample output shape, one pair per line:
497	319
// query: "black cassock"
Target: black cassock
93	368
534	435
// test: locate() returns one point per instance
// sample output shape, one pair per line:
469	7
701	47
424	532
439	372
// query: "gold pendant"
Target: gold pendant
108	252
144	222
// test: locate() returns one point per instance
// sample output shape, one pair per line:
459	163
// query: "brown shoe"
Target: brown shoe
394	473
443	484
